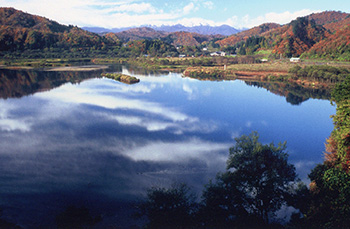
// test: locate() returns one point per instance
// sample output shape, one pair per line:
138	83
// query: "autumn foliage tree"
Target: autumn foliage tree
330	186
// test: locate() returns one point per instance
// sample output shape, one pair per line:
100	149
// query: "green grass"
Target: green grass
265	53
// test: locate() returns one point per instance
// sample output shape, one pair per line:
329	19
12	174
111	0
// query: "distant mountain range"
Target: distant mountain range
176	38
224	30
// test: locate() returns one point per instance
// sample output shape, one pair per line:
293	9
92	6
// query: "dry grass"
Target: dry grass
265	67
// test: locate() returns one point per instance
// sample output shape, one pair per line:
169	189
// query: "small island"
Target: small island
121	77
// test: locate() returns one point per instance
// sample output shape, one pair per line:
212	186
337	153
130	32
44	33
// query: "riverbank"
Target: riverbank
315	76
247	68
84	68
42	63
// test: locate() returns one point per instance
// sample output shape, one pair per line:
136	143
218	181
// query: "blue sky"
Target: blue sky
126	13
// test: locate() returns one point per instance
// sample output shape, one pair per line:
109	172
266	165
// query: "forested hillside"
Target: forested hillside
175	38
331	20
321	35
20	31
139	34
300	35
335	46
242	36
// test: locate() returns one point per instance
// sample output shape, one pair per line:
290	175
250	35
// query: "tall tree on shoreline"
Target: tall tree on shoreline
257	182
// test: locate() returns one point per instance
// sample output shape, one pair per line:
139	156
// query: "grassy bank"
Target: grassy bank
307	75
39	63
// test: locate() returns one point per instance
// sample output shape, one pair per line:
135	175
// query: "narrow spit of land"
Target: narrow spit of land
121	77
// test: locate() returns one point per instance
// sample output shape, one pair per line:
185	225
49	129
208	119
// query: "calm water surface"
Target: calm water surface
101	143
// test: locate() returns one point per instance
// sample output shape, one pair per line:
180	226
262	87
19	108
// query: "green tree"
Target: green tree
76	217
172	207
222	204
258	181
330	196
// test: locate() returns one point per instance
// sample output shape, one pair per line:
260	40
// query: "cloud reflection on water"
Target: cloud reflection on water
105	138
179	151
10	123
85	96
63	114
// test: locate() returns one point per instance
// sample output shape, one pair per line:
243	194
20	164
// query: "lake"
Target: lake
76	139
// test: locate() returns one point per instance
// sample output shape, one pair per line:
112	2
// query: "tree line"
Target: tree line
321	73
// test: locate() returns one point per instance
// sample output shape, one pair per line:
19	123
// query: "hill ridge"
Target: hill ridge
224	30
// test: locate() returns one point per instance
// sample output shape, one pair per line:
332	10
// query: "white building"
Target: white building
294	59
218	54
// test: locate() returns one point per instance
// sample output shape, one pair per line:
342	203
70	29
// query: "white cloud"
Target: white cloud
178	151
281	18
188	8
287	16
94	13
126	13
135	8
64	11
234	21
246	21
209	5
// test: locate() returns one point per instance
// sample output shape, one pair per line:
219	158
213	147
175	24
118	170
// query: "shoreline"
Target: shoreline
82	68
79	68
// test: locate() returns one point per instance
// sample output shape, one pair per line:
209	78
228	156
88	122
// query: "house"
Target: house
182	56
294	59
218	54
205	49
